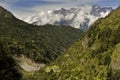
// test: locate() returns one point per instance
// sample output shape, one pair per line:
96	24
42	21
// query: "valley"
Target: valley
63	44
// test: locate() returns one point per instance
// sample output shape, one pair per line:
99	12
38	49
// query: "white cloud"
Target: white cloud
78	17
25	11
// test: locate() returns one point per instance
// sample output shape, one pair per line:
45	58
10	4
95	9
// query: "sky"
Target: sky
23	8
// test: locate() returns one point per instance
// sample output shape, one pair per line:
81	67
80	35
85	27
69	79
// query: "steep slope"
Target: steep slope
5	14
9	69
39	43
79	17
94	57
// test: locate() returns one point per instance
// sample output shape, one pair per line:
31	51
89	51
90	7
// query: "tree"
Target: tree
8	67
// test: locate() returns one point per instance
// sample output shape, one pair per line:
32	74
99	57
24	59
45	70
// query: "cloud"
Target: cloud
22	8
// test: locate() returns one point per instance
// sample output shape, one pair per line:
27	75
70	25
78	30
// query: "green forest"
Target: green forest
40	43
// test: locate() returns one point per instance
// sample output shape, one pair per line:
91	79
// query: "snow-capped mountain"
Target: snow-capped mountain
79	17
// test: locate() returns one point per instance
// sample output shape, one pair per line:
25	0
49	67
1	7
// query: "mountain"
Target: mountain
79	17
5	14
8	66
95	56
41	44
25	47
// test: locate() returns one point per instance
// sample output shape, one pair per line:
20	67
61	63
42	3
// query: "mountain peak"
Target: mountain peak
2	10
5	13
1	7
78	17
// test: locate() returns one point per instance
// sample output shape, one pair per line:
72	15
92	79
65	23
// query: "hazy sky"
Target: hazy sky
22	8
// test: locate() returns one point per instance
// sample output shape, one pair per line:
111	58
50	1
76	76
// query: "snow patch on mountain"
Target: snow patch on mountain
78	17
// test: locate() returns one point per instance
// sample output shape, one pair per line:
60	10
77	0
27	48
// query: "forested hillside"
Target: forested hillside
40	43
96	56
8	67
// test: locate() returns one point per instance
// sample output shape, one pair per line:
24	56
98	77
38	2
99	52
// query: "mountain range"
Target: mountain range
79	17
60	52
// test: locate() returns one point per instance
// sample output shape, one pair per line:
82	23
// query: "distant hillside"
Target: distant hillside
94	57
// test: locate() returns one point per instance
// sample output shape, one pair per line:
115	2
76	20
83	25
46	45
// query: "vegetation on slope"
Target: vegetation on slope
40	43
94	57
5	14
8	67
